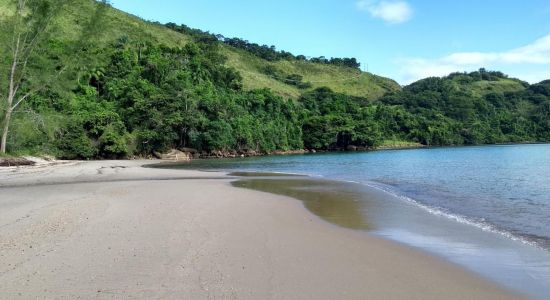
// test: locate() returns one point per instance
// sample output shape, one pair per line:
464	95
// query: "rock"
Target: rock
288	152
188	150
48	158
351	148
175	155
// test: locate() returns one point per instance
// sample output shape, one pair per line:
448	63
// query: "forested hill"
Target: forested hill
290	75
104	84
481	107
279	75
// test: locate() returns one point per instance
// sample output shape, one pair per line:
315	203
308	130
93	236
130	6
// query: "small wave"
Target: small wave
437	211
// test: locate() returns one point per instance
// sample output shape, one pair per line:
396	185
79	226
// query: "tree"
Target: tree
26	71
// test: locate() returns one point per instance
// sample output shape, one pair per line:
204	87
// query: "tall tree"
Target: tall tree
24	70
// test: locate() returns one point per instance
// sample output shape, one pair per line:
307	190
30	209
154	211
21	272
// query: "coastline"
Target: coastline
113	229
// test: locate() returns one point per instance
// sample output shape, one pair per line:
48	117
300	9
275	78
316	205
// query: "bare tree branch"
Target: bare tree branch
21	100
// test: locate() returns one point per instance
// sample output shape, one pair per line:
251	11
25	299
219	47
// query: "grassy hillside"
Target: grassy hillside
118	24
500	86
475	85
339	79
115	24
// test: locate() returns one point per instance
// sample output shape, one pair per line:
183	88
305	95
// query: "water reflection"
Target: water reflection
335	202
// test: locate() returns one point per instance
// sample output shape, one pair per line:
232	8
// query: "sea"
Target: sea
486	208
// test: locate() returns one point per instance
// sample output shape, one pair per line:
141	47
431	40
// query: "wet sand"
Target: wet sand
115	230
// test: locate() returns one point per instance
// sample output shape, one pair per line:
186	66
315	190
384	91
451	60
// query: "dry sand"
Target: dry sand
114	230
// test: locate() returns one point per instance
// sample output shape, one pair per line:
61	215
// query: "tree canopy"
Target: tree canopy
133	96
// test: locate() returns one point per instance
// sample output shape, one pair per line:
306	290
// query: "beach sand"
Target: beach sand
115	230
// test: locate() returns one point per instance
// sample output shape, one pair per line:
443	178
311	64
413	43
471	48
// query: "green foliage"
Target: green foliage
454	111
148	89
93	129
291	79
113	143
179	97
339	79
433	112
73	143
336	121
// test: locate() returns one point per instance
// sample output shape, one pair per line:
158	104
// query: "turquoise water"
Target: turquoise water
487	208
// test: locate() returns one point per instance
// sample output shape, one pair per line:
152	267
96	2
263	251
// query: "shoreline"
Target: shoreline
46	160
496	256
202	238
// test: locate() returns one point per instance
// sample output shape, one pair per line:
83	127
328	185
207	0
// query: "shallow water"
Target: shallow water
505	188
486	208
333	201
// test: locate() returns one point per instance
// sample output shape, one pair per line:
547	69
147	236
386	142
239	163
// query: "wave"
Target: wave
436	211
439	211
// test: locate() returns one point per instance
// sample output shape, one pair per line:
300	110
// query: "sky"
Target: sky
402	39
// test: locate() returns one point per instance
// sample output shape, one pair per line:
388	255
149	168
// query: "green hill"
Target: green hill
481	107
105	84
339	79
252	68
120	24
483	82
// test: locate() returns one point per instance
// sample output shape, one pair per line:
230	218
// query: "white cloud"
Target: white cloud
391	11
521	60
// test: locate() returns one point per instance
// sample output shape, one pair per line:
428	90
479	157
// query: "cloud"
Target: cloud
392	11
521	60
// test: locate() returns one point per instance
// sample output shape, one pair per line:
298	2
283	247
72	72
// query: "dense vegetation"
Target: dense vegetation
433	112
136	96
152	98
454	111
256	62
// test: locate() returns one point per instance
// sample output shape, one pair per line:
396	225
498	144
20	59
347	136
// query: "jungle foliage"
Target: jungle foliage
137	97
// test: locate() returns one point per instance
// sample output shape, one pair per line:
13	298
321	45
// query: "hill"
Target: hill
482	107
340	79
105	84
119	24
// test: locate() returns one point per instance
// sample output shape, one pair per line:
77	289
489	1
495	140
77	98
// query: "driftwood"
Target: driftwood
15	161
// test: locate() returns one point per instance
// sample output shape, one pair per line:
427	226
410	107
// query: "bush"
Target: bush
73	143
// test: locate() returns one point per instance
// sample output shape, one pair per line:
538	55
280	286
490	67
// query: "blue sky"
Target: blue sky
402	39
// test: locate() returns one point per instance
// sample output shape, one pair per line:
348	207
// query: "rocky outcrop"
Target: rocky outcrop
175	155
289	152
353	148
187	154
401	146
245	153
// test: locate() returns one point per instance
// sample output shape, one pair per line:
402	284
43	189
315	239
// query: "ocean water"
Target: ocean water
486	208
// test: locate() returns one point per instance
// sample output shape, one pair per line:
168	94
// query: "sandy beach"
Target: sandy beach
116	230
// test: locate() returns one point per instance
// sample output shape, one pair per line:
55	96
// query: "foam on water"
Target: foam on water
438	211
